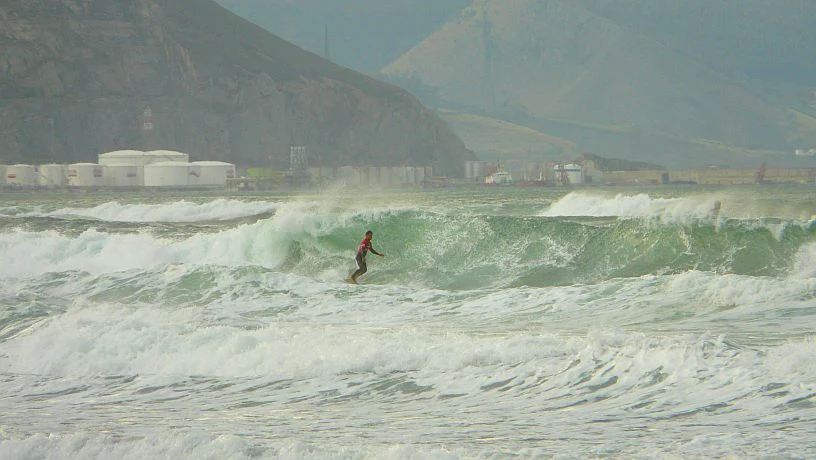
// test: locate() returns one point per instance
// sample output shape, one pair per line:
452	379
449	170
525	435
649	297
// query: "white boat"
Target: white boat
499	178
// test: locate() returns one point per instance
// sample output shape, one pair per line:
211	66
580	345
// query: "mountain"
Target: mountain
681	83
364	35
81	77
768	41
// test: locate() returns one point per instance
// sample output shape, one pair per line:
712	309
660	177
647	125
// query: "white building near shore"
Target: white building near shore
21	175
52	175
86	175
211	173
167	174
122	175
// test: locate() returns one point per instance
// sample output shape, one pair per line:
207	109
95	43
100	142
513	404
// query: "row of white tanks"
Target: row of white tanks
124	168
383	176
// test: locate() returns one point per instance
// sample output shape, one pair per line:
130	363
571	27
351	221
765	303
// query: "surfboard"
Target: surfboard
350	281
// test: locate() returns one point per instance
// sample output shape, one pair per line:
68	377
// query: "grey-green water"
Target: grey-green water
502	322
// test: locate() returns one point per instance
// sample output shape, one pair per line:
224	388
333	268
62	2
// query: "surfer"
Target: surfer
716	210
362	250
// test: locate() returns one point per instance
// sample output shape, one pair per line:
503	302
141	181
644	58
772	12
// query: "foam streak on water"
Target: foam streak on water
501	323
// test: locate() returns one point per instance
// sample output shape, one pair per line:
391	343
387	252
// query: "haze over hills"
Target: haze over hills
364	35
678	82
78	77
565	69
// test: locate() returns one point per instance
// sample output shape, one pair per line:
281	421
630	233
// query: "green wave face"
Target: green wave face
472	251
451	240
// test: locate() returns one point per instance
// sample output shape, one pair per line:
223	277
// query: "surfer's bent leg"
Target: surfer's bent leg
361	267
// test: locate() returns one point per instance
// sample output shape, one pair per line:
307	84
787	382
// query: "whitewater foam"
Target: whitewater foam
180	211
639	205
485	332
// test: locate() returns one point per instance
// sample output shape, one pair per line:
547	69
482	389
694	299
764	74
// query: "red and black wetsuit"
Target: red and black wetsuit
362	250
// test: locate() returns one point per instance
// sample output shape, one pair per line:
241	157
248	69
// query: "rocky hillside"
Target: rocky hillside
81	77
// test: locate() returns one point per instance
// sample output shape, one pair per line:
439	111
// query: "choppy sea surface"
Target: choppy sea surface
663	322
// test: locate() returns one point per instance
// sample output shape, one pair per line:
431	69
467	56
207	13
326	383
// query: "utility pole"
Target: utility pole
326	53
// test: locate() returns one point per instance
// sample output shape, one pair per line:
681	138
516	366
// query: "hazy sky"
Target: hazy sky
363	34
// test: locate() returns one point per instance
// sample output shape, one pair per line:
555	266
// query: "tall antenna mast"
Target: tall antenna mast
326	42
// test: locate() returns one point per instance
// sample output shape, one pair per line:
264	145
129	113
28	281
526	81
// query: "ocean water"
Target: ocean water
501	323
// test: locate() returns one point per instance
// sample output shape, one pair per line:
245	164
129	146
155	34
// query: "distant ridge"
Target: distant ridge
594	72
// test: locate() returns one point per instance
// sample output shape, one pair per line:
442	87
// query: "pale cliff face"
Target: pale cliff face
77	77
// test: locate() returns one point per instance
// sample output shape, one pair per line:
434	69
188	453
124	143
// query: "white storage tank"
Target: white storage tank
363	174
211	173
130	157
575	173
167	174
349	175
21	175
162	156
53	175
86	175
385	176
320	175
422	174
407	175
469	170
140	159
123	175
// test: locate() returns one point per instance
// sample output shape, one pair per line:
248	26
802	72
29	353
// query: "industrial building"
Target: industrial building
210	173
52	175
21	175
167	174
382	176
123	169
86	175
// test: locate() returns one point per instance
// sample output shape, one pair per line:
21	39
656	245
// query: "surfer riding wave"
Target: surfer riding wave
360	258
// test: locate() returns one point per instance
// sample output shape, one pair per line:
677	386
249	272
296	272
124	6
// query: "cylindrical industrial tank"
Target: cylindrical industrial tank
122	175
167	174
398	175
575	173
349	175
422	175
373	175
211	173
481	169
163	156
386	179
21	175
409	175
363	173
53	175
86	175
321	175
130	157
